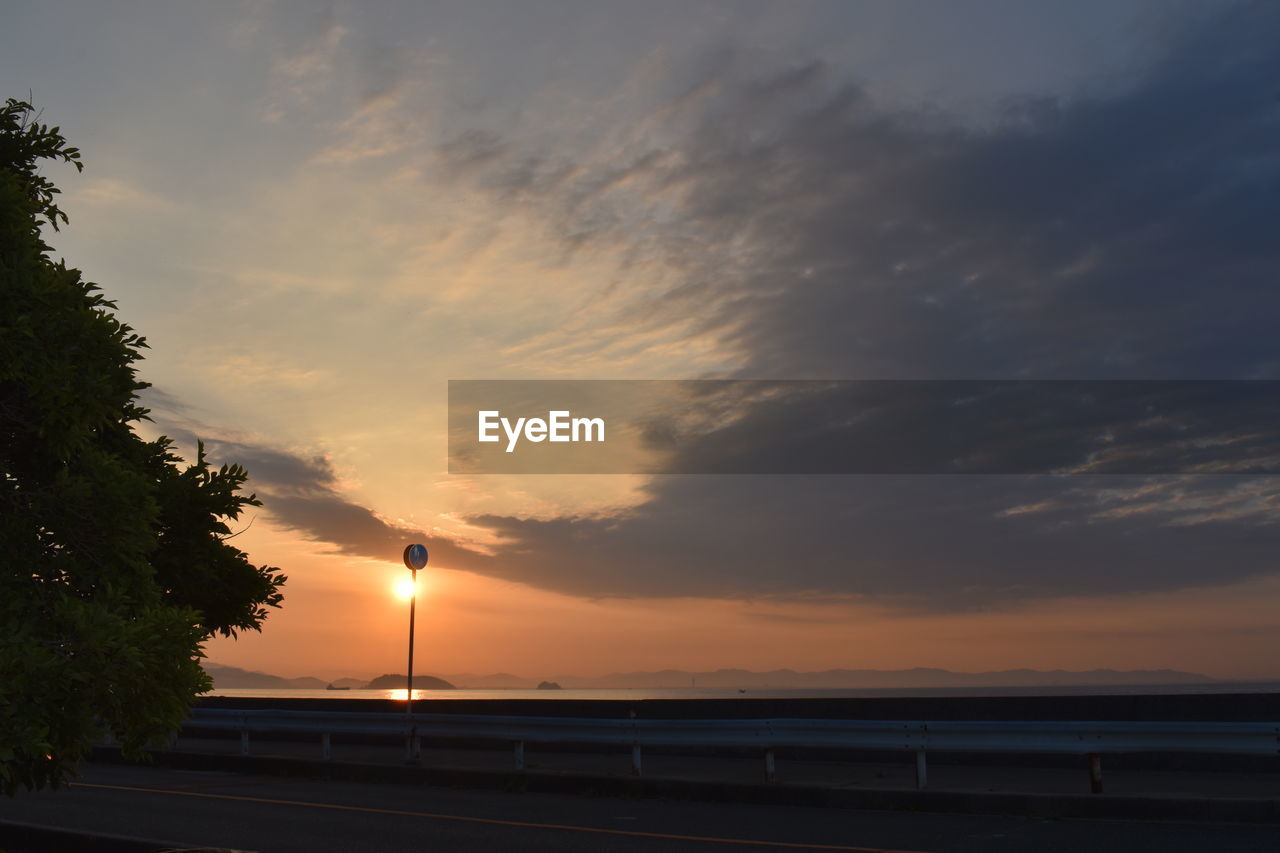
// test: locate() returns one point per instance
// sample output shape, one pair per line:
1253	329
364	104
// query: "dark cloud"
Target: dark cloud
820	234
163	402
1120	237
947	541
282	473
302	493
739	426
992	427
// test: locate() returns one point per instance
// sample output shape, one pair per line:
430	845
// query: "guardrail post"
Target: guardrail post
325	752
922	771
1095	773
635	759
244	741
412	744
519	755
770	775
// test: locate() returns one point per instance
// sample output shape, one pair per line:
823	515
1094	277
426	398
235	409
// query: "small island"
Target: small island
392	681
548	685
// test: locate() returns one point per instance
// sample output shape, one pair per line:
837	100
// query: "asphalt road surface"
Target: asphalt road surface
278	815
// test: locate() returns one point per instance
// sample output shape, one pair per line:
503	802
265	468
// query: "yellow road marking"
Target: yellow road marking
498	822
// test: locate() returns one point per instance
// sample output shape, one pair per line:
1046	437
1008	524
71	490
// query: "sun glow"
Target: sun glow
405	588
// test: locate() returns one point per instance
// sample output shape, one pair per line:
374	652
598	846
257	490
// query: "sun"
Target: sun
405	588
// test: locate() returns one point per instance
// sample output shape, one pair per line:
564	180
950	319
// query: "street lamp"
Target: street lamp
415	557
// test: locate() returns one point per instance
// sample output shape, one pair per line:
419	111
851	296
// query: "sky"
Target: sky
319	214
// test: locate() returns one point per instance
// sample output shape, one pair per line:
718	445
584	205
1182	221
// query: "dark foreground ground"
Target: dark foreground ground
279	815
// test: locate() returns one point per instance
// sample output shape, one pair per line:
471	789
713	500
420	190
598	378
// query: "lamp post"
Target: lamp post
415	558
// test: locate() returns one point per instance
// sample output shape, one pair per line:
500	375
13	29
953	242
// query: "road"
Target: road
279	815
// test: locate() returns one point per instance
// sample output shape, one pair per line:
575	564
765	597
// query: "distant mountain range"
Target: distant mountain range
230	677
888	678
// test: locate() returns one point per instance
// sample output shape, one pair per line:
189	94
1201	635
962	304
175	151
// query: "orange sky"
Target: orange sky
344	619
318	217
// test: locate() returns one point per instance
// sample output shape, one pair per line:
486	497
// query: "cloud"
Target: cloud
379	126
944	542
813	231
818	233
316	59
123	197
923	427
1104	237
303	494
939	542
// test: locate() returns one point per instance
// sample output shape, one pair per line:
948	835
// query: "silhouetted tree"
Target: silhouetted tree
114	564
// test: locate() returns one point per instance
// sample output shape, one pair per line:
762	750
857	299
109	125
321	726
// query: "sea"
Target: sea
632	694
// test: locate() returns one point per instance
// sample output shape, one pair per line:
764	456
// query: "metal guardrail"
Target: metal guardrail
1092	739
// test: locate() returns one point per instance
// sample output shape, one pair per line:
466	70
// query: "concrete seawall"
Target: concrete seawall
1221	707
